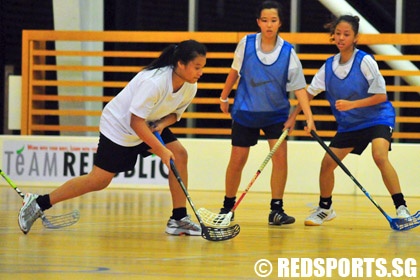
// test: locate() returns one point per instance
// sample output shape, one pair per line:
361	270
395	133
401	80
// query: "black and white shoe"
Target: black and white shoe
277	218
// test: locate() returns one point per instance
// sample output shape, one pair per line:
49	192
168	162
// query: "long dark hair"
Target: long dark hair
269	4
184	52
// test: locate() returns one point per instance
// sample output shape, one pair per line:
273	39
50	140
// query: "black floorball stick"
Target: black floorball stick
52	222
395	223
208	233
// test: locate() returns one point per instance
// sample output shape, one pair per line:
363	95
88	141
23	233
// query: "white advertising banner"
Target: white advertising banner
33	160
42	161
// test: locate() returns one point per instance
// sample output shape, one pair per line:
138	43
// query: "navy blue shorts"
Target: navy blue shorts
115	158
243	136
360	139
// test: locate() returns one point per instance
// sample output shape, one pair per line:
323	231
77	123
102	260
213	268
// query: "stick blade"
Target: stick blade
214	219
60	221
406	223
220	234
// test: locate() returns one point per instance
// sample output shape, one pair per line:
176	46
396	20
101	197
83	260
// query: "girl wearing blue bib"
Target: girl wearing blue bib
268	69
356	92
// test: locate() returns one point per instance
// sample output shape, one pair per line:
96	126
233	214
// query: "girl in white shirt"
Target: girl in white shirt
152	101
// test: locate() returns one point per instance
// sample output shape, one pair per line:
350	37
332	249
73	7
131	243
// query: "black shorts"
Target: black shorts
115	158
360	139
243	136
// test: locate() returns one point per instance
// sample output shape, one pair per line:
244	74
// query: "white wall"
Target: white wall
87	16
208	159
207	168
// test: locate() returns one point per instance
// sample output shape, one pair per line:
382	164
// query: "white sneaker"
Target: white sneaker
183	226
319	216
402	212
29	212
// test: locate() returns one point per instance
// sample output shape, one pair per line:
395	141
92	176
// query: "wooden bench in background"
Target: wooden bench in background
40	84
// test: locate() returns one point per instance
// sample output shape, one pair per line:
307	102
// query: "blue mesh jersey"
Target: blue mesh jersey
261	98
353	87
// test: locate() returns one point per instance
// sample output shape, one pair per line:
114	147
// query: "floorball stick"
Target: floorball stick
52	222
395	223
208	233
215	219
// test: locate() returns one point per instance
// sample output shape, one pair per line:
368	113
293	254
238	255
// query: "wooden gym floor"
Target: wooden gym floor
120	235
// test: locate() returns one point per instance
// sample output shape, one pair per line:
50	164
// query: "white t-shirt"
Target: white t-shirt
295	80
369	69
149	95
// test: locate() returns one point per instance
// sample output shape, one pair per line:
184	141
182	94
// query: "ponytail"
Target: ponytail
352	20
184	52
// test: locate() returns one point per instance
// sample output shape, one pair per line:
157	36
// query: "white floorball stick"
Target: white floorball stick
215	219
52	222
